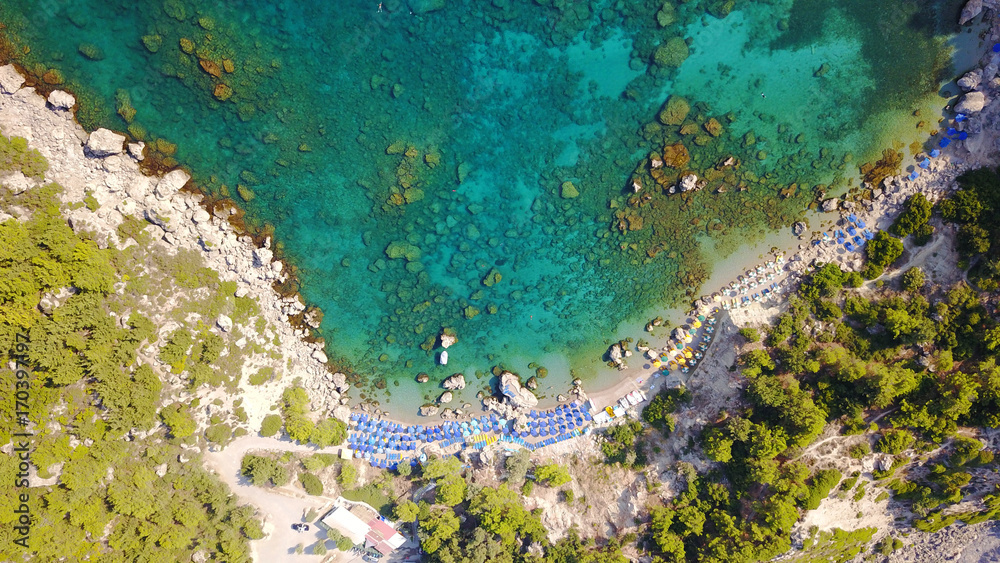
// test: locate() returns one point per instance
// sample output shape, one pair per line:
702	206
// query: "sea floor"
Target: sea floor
431	165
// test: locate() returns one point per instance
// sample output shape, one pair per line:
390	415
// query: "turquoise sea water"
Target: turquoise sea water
411	156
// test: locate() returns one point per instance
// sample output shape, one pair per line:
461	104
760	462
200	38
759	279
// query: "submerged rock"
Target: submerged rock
675	111
568	191
672	53
798	228
447	339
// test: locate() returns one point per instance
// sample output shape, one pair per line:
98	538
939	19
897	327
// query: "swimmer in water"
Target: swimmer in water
380	7
762	95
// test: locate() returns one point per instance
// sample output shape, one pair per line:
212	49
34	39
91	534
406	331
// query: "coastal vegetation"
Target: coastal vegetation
113	480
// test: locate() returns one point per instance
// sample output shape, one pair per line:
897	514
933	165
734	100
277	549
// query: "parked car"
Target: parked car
300	527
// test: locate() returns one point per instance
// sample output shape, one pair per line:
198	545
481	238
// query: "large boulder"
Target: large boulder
104	142
830	204
972	9
454	382
61	100
10	80
970	80
973	102
688	183
445	397
429	410
615	353
171	183
448	339
798	228
340	382
517	396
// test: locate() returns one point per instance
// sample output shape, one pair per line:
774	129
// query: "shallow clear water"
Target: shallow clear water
447	135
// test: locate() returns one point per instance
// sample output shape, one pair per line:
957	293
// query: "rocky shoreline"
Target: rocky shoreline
103	166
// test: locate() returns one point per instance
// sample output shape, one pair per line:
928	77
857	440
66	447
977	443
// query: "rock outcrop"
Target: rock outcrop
448	340
971	9
970	80
445	397
455	382
105	142
10	80
831	204
429	410
517	396
973	102
61	100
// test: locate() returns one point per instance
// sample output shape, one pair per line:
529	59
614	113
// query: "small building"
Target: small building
362	525
342	520
383	537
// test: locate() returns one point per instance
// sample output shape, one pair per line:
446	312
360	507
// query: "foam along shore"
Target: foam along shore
103	165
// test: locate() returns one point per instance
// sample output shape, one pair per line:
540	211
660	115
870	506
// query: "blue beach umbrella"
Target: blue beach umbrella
944	143
952	131
963	136
914	175
996	47
935	153
849	247
925	163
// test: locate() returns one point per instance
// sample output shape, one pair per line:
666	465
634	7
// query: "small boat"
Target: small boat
443	359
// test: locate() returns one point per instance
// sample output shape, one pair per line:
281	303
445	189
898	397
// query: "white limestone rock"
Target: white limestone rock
454	382
225	323
688	183
59	99
973	102
10	80
135	149
171	182
105	142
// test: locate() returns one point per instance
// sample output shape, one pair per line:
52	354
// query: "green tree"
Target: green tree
348	476
311	484
915	216
894	441
177	417
406	511
451	490
517	466
436	529
883	250
913	279
552	475
270	425
750	334
436	468
328	432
